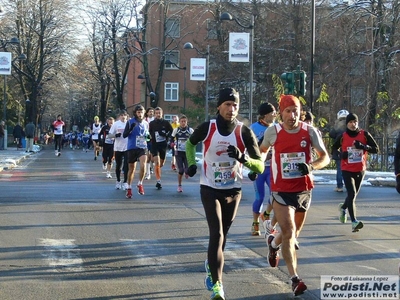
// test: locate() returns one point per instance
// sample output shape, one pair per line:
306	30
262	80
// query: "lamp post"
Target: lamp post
169	62
228	17
189	46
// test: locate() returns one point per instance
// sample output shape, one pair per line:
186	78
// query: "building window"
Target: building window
211	29
358	66
358	97
171	91
173	28
173	56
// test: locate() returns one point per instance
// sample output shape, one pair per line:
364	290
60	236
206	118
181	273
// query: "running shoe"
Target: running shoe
140	189
356	226
173	167
268	228
104	167
148	176
298	286
95	158
273	255
255	229
151	170
158	186
208	283
118	185
179	189
339	190
125	186
108	175
218	291
342	214
128	193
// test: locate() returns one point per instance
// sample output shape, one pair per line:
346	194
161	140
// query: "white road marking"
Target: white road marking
61	253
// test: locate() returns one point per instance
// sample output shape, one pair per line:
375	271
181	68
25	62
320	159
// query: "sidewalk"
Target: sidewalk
12	157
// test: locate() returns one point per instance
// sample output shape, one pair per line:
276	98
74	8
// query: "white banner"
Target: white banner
198	69
371	287
5	63
239	47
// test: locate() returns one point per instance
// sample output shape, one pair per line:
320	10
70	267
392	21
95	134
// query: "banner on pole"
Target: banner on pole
198	69
5	63
239	49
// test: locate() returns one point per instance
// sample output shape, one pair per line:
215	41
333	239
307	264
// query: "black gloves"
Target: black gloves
304	168
361	146
252	175
345	155
118	134
191	171
235	153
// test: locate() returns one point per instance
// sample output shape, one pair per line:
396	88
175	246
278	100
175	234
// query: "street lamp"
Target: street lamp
189	46
169	62
228	17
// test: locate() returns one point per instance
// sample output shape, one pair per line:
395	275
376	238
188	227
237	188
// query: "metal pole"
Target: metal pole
5	99
312	54
5	142
251	69
184	89
207	74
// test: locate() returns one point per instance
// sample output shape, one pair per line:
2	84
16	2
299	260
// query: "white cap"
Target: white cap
342	114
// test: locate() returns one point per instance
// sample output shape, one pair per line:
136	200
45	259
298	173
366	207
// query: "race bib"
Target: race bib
141	142
289	163
355	155
181	145
224	174
159	138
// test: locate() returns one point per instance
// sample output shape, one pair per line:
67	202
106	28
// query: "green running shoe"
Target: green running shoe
218	291
342	214
356	226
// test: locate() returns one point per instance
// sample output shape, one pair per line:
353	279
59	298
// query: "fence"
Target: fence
383	161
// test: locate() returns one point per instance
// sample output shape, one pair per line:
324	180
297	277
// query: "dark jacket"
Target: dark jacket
18	132
30	130
334	133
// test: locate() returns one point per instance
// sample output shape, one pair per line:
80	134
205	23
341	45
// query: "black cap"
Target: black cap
228	94
351	117
265	108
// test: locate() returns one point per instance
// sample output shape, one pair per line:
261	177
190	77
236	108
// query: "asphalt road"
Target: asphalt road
66	233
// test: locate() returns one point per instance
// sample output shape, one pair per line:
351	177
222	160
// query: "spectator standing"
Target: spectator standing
225	141
160	130
30	135
291	181
2	133
355	144
178	142
58	129
337	130
18	134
